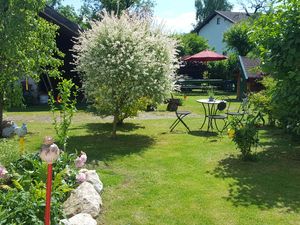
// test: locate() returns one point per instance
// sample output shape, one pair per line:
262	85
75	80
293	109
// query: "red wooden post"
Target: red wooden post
48	194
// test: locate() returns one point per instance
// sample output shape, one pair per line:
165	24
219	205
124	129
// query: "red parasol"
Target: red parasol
206	56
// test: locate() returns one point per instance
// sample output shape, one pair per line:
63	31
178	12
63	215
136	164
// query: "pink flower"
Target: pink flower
81	160
83	157
3	172
79	163
81	177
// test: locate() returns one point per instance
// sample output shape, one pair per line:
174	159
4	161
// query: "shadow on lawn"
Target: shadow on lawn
99	145
271	182
202	133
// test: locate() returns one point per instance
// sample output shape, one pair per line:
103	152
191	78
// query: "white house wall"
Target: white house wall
213	32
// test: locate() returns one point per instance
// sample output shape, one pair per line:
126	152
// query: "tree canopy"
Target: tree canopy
237	38
206	7
277	37
191	43
255	6
91	8
69	12
28	47
126	63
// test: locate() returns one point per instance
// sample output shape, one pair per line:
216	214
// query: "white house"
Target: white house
215	25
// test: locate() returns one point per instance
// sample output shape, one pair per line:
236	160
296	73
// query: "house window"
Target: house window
218	20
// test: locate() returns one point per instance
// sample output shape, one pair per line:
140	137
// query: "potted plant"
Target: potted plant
211	95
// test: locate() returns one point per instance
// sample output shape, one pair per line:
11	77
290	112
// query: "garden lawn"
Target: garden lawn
152	176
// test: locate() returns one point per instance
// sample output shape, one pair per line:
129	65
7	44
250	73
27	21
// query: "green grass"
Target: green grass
152	176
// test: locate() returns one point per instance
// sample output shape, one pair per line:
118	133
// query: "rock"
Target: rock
84	199
80	219
93	178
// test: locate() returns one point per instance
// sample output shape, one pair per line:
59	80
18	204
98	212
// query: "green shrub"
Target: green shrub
276	35
23	191
262	101
244	134
9	151
223	69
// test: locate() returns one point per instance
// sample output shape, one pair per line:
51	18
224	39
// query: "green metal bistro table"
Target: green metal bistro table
209	107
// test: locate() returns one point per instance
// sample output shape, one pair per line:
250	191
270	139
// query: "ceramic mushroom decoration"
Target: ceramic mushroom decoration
50	151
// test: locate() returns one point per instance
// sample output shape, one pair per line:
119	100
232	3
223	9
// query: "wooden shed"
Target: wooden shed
249	75
67	31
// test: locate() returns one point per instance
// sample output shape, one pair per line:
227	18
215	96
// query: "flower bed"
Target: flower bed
23	188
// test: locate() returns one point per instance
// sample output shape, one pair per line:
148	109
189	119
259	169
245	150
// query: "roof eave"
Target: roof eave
243	67
206	21
45	14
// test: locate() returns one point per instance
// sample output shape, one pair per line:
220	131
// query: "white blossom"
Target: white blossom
123	60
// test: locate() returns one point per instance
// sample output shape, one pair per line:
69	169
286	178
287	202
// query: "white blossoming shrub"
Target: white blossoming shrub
125	62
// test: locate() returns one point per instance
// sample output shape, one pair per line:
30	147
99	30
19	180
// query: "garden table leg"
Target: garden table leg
205	116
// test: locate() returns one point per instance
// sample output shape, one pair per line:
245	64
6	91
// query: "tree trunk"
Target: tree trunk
238	86
120	122
115	122
1	112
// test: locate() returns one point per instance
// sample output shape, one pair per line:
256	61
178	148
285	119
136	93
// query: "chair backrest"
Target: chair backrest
173	104
244	105
221	106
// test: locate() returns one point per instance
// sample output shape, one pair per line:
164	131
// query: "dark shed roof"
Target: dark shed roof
51	15
232	17
249	67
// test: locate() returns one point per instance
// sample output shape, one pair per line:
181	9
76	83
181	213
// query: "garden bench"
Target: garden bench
187	85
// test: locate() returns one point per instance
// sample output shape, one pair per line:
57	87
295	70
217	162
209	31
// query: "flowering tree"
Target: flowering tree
125	62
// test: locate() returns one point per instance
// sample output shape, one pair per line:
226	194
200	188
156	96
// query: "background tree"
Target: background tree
277	36
125	61
91	8
69	12
255	6
206	7
53	3
237	38
224	69
27	48
191	43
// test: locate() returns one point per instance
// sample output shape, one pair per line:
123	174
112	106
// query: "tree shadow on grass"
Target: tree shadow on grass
99	145
202	133
106	128
273	181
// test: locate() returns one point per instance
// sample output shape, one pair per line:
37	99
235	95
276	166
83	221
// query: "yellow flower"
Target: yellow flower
231	133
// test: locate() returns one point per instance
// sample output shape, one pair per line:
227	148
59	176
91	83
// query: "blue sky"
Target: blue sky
177	15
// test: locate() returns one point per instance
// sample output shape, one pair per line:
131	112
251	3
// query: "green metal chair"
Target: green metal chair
242	110
217	116
180	115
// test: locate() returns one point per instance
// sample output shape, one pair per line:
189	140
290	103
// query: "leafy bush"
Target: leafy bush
9	151
244	134
262	101
277	37
22	192
223	69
